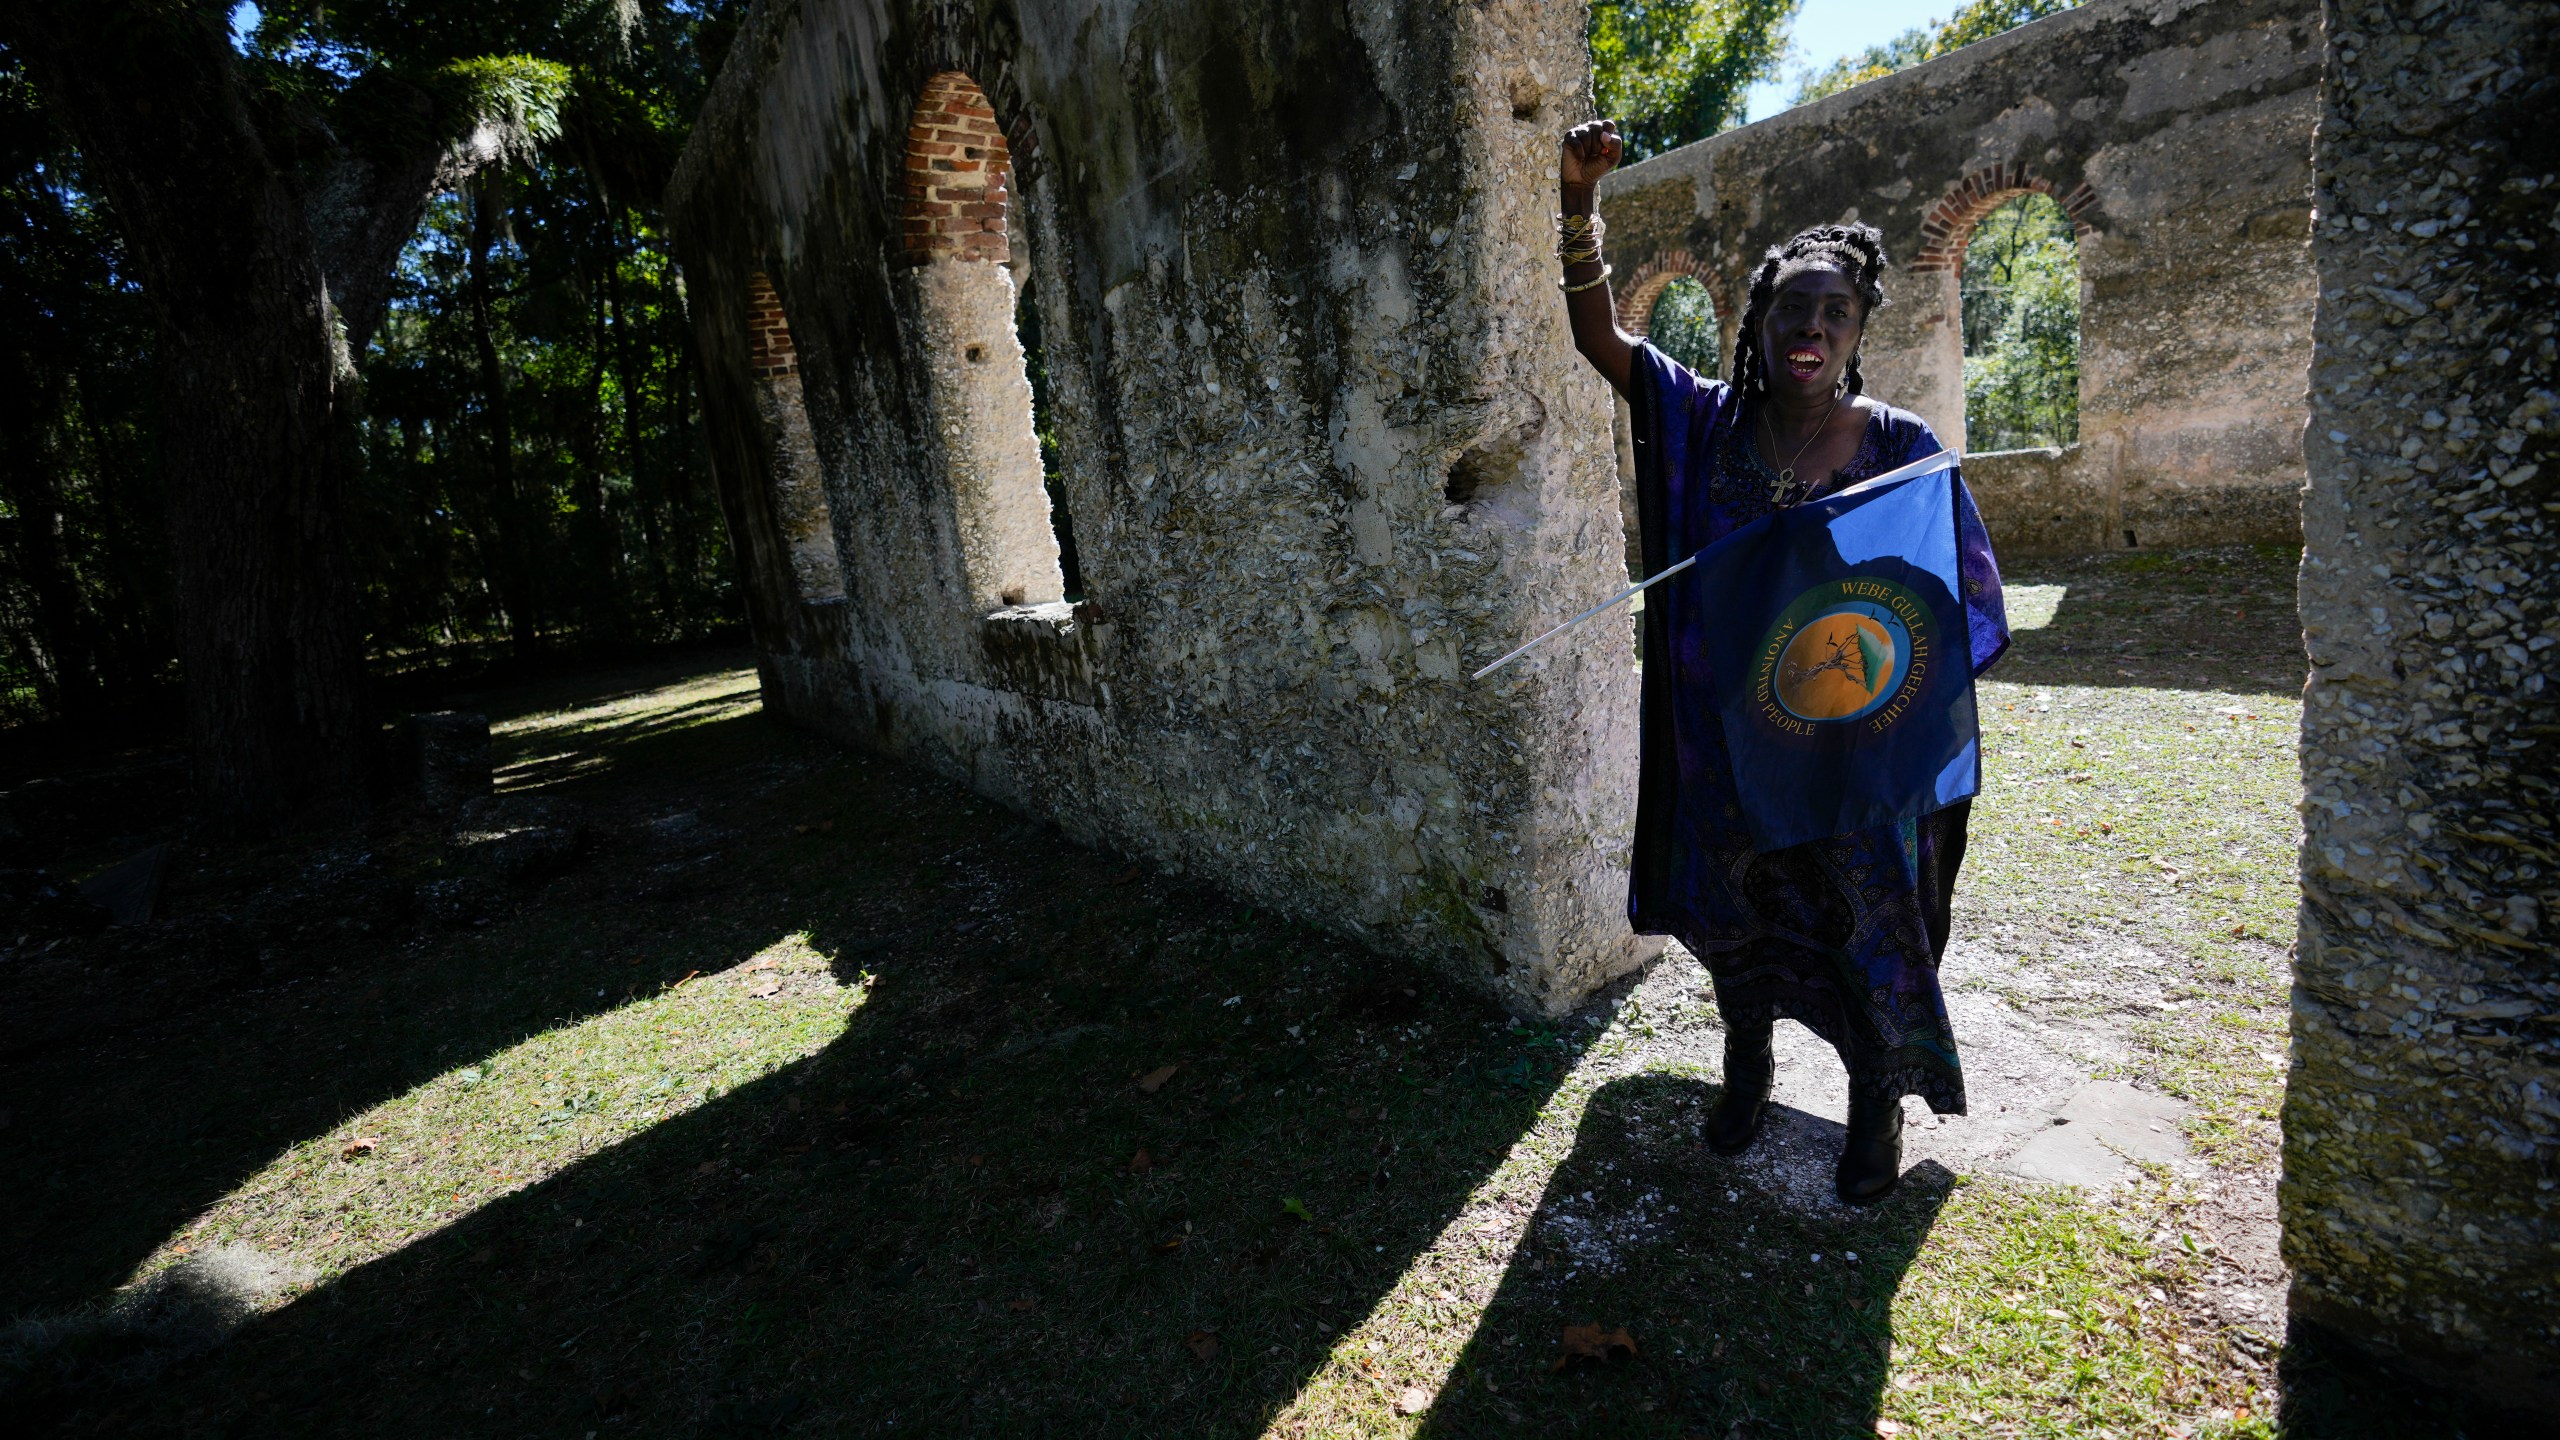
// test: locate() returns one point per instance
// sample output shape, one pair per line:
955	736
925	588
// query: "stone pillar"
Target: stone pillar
2421	1195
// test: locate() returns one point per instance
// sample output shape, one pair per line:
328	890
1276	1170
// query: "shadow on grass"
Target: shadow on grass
127	1121
933	1223
2223	620
961	1214
1748	1314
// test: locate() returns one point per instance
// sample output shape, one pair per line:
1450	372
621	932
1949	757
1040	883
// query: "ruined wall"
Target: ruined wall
2422	1121
799	493
2176	133
1322	435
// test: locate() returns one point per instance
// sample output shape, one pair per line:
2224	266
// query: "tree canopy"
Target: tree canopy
1978	21
1674	71
207	464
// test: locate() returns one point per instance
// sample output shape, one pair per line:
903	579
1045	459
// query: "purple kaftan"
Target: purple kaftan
1844	934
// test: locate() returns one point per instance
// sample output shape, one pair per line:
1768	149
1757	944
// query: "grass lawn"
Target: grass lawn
813	1096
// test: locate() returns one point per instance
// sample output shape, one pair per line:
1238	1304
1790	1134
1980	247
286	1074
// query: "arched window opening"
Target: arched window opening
979	362
2021	289
799	493
1683	326
1044	426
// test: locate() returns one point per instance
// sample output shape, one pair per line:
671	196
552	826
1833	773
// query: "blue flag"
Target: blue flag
1843	659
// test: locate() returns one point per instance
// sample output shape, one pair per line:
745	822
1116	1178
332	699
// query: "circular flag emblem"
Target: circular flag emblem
1842	651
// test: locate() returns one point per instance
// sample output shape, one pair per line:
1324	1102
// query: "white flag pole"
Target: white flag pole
1943	460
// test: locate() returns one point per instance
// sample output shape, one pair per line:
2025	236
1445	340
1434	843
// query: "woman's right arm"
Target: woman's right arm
1591	150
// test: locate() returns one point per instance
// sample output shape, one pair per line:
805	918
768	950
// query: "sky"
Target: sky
1825	30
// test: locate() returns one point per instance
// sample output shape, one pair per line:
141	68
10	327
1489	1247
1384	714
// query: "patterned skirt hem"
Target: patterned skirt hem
1941	1089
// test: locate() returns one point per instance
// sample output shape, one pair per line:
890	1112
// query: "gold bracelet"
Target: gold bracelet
1578	237
1600	279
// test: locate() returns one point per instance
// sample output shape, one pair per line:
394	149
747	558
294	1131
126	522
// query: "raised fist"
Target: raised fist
1591	149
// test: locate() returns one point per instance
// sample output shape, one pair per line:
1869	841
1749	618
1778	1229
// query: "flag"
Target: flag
1842	658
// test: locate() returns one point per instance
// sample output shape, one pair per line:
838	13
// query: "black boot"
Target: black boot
1871	1161
1749	1067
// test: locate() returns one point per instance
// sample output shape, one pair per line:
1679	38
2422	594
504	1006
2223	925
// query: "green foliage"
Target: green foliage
601	525
84	613
1978	21
519	95
1683	326
599	521
2022	328
1673	71
534	468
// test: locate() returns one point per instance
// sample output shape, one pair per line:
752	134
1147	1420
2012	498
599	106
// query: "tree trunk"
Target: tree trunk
595	524
516	583
265	617
648	497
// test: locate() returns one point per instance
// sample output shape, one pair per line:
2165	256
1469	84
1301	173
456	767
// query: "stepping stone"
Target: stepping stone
2095	1134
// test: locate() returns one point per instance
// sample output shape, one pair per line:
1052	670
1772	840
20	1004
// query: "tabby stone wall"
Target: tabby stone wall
2421	1192
1320	430
2176	134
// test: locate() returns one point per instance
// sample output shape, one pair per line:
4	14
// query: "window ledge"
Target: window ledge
1044	650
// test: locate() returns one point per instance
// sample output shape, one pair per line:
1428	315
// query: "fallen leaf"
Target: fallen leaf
1125	876
1202	1343
1888	1427
791	1103
1153	1080
1021	1306
1142	1162
1412	1400
358	1147
766	990
706	1167
1591	1342
770	962
1169	1246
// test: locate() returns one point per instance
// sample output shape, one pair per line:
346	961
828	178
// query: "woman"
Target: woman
1842	935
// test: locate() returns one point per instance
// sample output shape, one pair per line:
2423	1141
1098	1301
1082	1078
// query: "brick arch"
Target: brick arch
959	170
1644	285
1948	227
770	353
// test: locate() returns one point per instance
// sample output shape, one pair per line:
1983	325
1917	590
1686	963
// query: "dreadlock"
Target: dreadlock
1856	251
